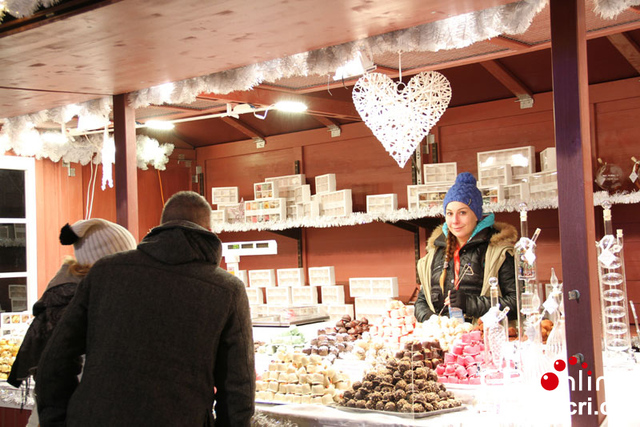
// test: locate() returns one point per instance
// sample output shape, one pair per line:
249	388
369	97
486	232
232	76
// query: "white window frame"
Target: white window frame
28	165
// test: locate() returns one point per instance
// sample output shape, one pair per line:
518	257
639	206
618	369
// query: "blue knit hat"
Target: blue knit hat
464	190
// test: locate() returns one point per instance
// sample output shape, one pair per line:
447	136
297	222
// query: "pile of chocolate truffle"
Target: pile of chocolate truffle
407	383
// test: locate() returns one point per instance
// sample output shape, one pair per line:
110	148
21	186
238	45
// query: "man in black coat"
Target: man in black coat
160	326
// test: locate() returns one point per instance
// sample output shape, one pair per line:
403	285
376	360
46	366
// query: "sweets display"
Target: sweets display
442	329
294	377
408	384
8	349
463	361
397	322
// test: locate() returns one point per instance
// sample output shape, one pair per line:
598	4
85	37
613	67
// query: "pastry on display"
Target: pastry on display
463	362
8	350
396	323
295	377
405	383
442	329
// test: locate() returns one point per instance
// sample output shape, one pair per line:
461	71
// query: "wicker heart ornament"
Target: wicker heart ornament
400	115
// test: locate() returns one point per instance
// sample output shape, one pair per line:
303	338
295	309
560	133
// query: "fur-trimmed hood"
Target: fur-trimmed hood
506	235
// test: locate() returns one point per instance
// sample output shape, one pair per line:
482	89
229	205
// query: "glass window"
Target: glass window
12	203
18	249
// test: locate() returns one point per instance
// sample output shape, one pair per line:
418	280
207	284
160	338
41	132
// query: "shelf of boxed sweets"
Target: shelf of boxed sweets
506	178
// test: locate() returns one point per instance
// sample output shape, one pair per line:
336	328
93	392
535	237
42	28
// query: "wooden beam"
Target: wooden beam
628	48
264	98
126	171
512	44
242	127
508	79
575	201
328	122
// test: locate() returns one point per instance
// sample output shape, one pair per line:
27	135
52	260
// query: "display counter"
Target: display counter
522	402
512	405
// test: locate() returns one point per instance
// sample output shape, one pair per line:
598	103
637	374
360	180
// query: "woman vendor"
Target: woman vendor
463	254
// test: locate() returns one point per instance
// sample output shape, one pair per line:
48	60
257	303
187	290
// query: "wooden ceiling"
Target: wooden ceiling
83	50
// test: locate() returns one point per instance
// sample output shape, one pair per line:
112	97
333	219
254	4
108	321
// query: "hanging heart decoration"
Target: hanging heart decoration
400	115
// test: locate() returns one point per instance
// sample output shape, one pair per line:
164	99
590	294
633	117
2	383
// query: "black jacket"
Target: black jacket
47	312
472	254
161	326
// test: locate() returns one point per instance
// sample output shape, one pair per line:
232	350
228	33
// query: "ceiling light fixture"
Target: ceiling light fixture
286	106
159	125
290	106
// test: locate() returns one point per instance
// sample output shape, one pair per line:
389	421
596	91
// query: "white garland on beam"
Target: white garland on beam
25	8
451	33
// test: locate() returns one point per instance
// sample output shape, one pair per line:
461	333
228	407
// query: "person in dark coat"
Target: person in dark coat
160	327
92	239
463	254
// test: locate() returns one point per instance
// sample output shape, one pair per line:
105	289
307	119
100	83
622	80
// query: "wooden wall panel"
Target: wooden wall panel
62	199
360	164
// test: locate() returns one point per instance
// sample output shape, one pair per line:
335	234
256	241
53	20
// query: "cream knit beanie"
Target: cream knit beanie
94	238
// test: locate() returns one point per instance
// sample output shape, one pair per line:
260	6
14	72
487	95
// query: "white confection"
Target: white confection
306	389
283	388
282	367
317	390
301	371
316	400
288	398
327	399
283	377
305	360
297	358
306	399
273	386
304	378
342	385
273	366
268	396
293	378
291	369
296	399
316	359
298	389
278	397
291	388
317	378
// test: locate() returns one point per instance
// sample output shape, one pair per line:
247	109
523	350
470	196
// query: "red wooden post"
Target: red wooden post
126	172
575	201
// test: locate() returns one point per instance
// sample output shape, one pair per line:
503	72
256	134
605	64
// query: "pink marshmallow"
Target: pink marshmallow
474	381
457	349
450	369
464	381
453	380
472	370
460	360
468	360
471	350
442	379
466	338
475	335
479	358
461	372
449	358
440	369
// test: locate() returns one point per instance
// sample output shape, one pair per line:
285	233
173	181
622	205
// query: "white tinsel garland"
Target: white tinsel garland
452	33
360	218
25	8
609	9
455	32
